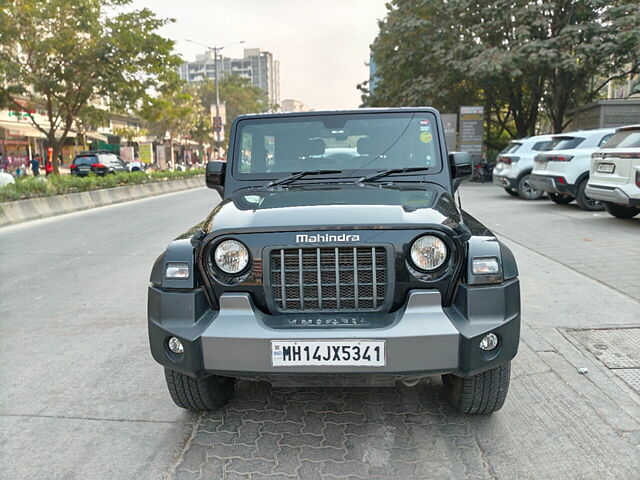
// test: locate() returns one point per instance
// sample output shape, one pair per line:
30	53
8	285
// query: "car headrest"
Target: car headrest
365	146
316	147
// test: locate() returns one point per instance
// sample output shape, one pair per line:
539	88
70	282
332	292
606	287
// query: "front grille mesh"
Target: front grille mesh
329	279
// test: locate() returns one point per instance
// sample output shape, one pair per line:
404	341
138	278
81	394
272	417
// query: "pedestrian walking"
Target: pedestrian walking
35	165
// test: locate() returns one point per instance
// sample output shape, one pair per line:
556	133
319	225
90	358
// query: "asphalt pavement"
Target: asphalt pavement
81	397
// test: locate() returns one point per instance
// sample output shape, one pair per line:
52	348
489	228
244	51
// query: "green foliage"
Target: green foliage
28	187
238	95
519	58
62	53
175	111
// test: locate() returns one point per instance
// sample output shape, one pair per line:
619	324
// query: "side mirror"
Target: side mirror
214	177
460	163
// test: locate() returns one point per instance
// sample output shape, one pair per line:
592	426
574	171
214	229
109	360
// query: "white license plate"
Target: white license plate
606	168
364	353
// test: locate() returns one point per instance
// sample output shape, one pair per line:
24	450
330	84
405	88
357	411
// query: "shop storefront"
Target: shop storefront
19	142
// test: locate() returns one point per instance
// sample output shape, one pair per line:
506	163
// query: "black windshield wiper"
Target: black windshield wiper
384	173
297	175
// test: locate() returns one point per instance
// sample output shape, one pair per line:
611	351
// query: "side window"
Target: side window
270	147
245	152
256	152
541	146
604	139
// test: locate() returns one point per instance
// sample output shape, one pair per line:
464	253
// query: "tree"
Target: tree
238	95
63	53
519	58
89	118
589	44
174	112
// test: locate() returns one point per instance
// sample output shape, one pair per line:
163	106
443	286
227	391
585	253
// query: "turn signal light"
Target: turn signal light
177	270
72	166
485	266
638	179
97	165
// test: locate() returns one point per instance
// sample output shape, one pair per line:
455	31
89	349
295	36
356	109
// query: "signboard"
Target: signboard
146	153
126	153
450	122
220	121
472	131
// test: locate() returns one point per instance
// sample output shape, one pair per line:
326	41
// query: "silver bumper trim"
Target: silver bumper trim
422	339
614	195
546	184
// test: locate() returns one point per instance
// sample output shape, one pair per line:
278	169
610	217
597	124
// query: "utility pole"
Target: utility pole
218	121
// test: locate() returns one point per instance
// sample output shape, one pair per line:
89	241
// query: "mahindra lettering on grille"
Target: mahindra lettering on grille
328	279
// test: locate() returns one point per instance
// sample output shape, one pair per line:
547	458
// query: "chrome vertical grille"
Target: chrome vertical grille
328	279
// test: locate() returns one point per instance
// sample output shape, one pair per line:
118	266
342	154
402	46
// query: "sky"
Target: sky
322	45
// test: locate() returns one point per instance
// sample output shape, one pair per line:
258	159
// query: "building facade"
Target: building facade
256	65
292	105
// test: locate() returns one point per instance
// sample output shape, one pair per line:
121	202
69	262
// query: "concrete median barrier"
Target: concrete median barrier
33	208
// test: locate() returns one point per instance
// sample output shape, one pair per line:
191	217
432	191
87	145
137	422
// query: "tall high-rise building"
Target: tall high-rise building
256	65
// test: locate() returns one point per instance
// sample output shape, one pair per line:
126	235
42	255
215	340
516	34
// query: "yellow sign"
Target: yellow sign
146	153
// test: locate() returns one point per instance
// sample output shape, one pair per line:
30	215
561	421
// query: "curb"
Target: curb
41	207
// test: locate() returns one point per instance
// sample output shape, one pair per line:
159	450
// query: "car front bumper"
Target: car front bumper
504	182
611	194
421	338
552	184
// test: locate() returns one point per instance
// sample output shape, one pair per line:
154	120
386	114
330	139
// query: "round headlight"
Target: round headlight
231	256
428	253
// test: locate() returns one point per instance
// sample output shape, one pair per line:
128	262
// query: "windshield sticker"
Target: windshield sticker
426	137
424	122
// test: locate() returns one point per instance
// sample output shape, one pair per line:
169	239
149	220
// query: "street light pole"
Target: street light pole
215	70
215	60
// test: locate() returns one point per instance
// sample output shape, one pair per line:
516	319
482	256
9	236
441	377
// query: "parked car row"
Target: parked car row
101	163
599	169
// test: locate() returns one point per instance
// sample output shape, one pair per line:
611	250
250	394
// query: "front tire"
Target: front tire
480	394
587	203
196	394
527	191
620	211
560	199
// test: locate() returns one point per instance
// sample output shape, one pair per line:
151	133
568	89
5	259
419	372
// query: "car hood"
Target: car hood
327	206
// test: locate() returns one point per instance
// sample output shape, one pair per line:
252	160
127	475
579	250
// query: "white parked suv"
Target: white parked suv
563	171
514	164
615	173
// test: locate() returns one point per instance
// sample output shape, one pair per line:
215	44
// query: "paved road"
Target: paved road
81	397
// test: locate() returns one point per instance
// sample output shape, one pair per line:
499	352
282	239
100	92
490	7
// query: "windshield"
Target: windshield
88	160
354	144
624	139
542	146
565	143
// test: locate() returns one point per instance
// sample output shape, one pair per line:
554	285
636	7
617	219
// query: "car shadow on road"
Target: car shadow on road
314	432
